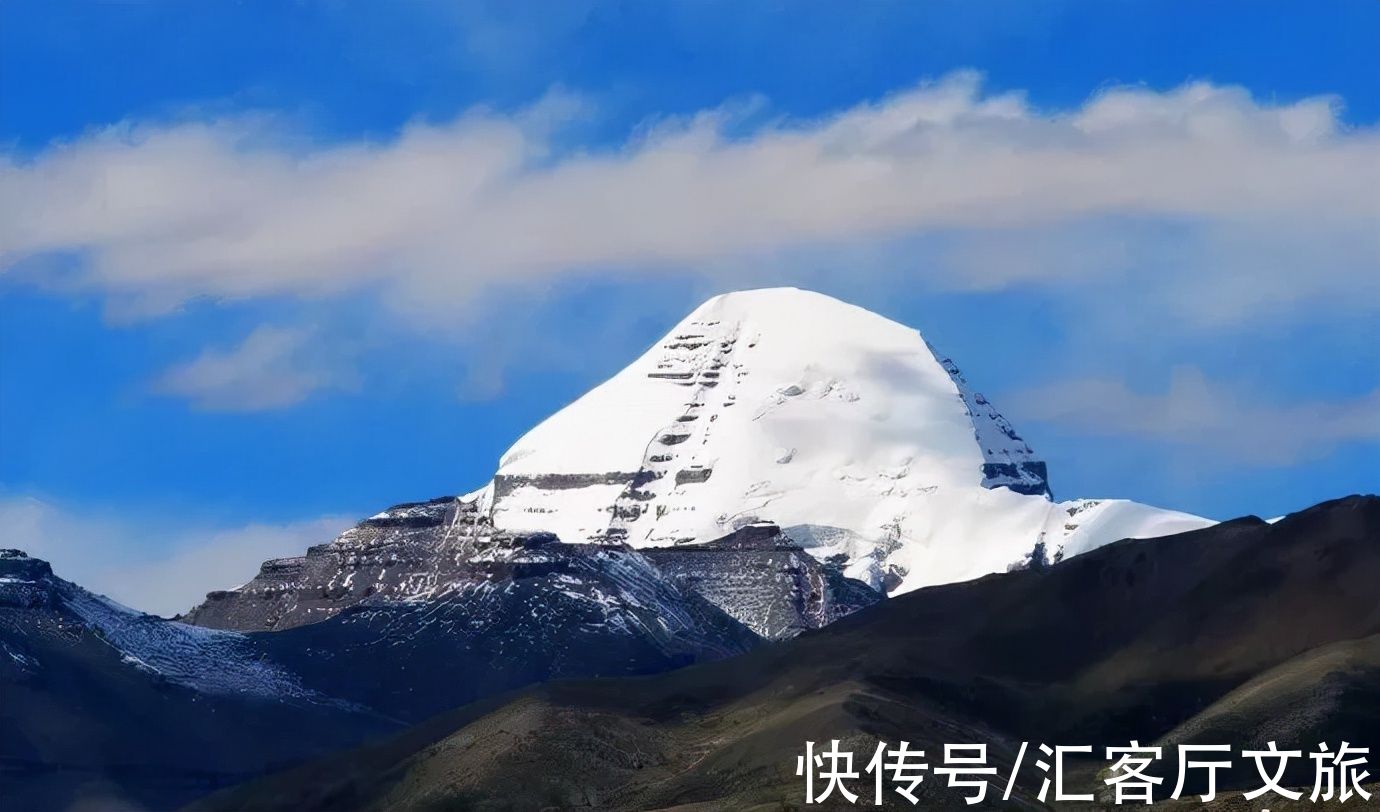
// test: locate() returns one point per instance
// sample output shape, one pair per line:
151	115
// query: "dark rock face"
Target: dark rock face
524	610
409	551
1030	478
444	555
505	484
1020	472
24	581
765	580
438	552
393	610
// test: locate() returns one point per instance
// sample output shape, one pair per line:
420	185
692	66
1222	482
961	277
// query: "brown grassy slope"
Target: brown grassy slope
1133	640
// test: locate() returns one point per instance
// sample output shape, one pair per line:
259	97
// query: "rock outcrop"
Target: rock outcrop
765	580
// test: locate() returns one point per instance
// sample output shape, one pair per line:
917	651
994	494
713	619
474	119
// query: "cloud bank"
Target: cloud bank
271	368
1198	413
155	214
113	555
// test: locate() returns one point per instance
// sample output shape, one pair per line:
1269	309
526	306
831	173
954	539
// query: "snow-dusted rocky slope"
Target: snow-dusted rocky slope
765	580
842	426
34	603
103	707
442	558
507	611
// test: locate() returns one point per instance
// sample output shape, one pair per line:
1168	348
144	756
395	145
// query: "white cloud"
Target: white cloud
271	368
236	208
112	555
1197	413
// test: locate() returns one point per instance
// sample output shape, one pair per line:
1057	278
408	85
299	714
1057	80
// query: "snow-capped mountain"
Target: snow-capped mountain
768	467
844	427
770	407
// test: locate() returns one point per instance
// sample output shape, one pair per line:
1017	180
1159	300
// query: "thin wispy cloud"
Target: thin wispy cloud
271	368
241	208
1198	413
112	554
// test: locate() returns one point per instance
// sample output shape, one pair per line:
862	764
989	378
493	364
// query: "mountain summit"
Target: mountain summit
767	423
843	427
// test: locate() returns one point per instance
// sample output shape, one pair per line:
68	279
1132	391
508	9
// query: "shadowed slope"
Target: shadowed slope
100	702
1131	641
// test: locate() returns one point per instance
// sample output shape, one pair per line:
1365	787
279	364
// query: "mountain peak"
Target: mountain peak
790	406
786	297
16	564
766	391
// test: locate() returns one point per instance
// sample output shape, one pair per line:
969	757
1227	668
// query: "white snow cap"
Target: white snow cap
790	406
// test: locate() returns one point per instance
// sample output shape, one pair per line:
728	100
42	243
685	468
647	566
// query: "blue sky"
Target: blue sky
268	266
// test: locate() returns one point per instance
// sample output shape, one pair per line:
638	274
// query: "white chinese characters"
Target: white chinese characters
1132	775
